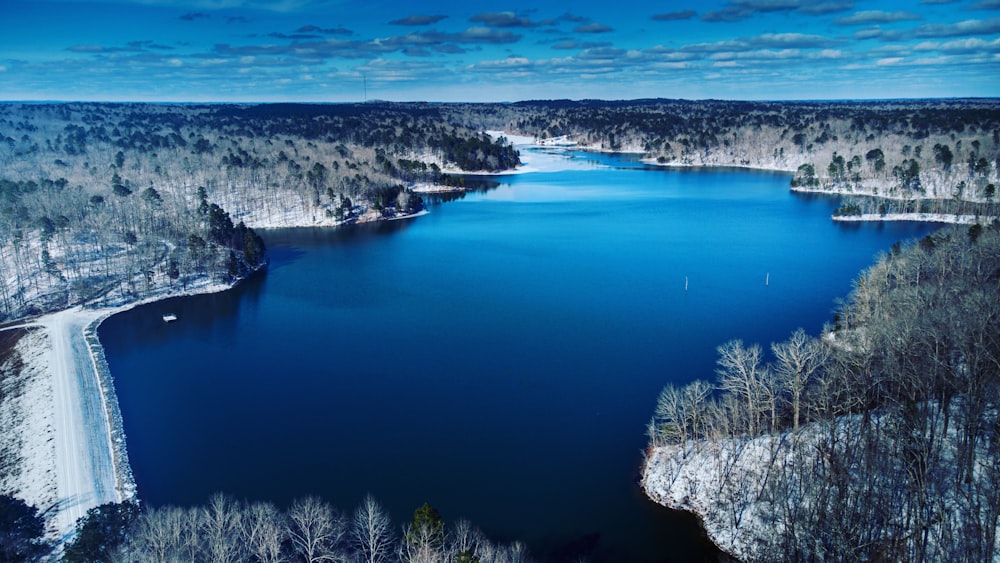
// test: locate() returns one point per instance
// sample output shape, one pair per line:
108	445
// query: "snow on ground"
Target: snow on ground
62	424
65	424
26	418
723	482
718	482
84	458
923	217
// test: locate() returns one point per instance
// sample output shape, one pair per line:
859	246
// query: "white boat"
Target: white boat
169	318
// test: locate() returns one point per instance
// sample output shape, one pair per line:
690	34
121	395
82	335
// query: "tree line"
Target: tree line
932	149
112	202
310	530
120	181
882	436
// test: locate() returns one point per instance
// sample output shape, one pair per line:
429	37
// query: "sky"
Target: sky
501	50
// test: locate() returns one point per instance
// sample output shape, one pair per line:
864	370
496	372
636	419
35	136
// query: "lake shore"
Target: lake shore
562	143
920	217
64	430
71	463
66	426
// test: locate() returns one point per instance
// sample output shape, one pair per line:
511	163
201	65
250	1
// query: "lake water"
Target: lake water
497	358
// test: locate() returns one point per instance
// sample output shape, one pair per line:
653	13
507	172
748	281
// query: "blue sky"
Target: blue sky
432	50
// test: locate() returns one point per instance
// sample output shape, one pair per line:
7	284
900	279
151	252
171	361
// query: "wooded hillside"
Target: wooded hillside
903	149
116	202
113	202
878	441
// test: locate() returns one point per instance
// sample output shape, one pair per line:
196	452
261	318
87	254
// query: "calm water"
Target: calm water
497	358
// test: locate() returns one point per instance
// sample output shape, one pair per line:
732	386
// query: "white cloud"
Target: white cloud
869	17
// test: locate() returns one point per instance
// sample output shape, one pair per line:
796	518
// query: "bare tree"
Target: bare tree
372	531
696	395
191	543
670	424
680	413
159	533
797	359
316	530
740	372
220	525
464	541
263	532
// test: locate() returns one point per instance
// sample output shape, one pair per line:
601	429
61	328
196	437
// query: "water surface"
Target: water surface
498	358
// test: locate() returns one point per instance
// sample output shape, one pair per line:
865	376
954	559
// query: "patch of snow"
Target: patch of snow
424	188
922	217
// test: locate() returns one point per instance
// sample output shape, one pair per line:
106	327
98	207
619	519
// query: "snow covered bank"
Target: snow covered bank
922	217
718	482
425	188
298	214
84	464
65	426
841	489
544	155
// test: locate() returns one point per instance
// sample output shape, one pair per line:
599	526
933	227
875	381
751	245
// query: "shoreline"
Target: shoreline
72	445
82	324
916	217
561	143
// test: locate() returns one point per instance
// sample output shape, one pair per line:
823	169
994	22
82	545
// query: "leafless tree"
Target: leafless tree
264	529
695	398
797	359
740	372
316	530
669	420
465	540
221	525
372	532
159	532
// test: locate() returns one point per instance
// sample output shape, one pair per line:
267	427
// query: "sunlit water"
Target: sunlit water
498	358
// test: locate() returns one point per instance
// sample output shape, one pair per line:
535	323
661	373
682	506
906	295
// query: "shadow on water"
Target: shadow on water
217	310
683	537
287	245
472	185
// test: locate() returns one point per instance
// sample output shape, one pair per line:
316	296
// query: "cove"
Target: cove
497	358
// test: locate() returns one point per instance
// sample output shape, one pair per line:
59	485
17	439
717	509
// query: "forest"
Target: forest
901	156
877	440
112	203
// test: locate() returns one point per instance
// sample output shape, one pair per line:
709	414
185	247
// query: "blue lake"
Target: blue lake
497	358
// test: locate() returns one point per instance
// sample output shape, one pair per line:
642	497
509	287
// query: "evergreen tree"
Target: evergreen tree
21	531
100	532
